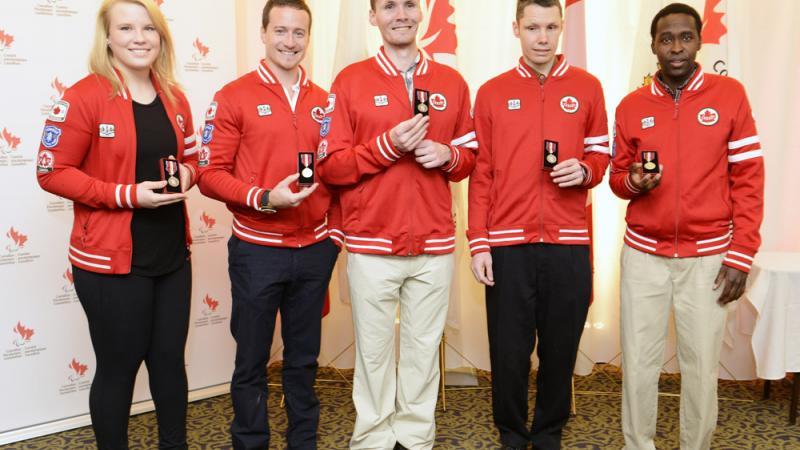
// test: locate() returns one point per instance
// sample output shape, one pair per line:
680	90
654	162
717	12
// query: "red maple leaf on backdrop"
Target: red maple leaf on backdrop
713	28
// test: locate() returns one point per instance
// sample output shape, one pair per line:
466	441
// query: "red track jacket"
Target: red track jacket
512	200
710	199
251	141
390	204
88	155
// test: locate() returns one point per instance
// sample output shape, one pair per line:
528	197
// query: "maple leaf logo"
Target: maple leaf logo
25	334
58	89
201	50
5	40
17	238
78	369
439	29
210	303
713	28
208	222
8	142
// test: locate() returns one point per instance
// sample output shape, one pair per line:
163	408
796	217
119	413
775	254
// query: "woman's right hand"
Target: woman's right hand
146	198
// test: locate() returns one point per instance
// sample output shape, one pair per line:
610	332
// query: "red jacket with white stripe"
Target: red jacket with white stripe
88	155
710	199
390	204
512	200
251	141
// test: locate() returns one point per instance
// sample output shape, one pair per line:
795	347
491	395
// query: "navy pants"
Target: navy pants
541	290
265	280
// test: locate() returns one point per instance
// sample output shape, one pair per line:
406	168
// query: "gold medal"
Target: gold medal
650	165
552	159
423	108
173	181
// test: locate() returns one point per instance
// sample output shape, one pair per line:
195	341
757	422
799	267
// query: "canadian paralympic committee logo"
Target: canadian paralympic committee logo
66	295
23	334
207	232
77	378
8	142
211	313
58	8
16	248
200	60
22	342
7	56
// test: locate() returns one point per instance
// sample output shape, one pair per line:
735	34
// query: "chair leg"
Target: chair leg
442	365
767	389
573	405
795	395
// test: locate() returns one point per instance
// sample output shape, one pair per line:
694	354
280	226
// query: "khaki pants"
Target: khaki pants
651	286
395	402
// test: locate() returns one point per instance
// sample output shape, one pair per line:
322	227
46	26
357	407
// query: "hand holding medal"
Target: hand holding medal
646	175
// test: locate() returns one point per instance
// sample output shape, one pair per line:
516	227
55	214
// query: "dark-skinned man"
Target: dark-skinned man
689	160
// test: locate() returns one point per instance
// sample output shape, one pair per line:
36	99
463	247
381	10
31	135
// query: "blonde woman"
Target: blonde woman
118	140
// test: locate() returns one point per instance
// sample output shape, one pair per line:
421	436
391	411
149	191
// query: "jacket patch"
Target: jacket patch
208	134
45	161
264	110
708	117
107	130
514	104
381	100
318	114
204	156
438	101
322	149
181	123
325	128
211	112
570	104
648	122
58	113
50	136
331	104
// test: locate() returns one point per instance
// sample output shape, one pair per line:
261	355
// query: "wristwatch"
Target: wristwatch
264	205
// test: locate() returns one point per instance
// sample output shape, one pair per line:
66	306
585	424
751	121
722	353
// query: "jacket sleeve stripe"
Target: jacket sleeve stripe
629	185
596	140
250	201
745	156
389	146
128	195
192	150
733	145
190	139
117	195
738	263
380	148
455	155
464	139
598	149
740	255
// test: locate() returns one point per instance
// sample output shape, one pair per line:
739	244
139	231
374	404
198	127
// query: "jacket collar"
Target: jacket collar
559	69
268	77
694	83
389	69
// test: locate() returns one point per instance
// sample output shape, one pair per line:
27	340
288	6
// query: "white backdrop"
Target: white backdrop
47	362
44	45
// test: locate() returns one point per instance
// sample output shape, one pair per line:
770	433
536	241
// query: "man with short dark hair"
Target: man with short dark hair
400	132
543	143
690	162
259	142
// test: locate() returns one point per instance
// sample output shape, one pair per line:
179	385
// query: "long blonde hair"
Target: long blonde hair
100	59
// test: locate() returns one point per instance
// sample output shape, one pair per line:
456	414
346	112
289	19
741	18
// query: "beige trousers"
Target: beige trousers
395	402
651	287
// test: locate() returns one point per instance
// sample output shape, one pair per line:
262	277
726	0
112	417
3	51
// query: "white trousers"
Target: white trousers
651	287
395	402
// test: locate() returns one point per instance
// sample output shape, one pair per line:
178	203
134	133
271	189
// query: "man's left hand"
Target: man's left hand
568	173
432	154
734	281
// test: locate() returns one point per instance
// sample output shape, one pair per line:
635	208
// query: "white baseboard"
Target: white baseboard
83	420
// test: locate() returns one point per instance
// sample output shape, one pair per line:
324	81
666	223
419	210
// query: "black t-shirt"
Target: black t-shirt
159	235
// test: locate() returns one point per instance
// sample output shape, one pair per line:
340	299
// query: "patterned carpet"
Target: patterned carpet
745	420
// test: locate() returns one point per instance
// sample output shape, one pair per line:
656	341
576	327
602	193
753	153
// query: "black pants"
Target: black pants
540	290
133	319
265	280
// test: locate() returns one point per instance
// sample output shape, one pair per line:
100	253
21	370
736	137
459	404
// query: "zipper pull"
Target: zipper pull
675	114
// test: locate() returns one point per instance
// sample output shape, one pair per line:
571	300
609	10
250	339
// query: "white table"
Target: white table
774	293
